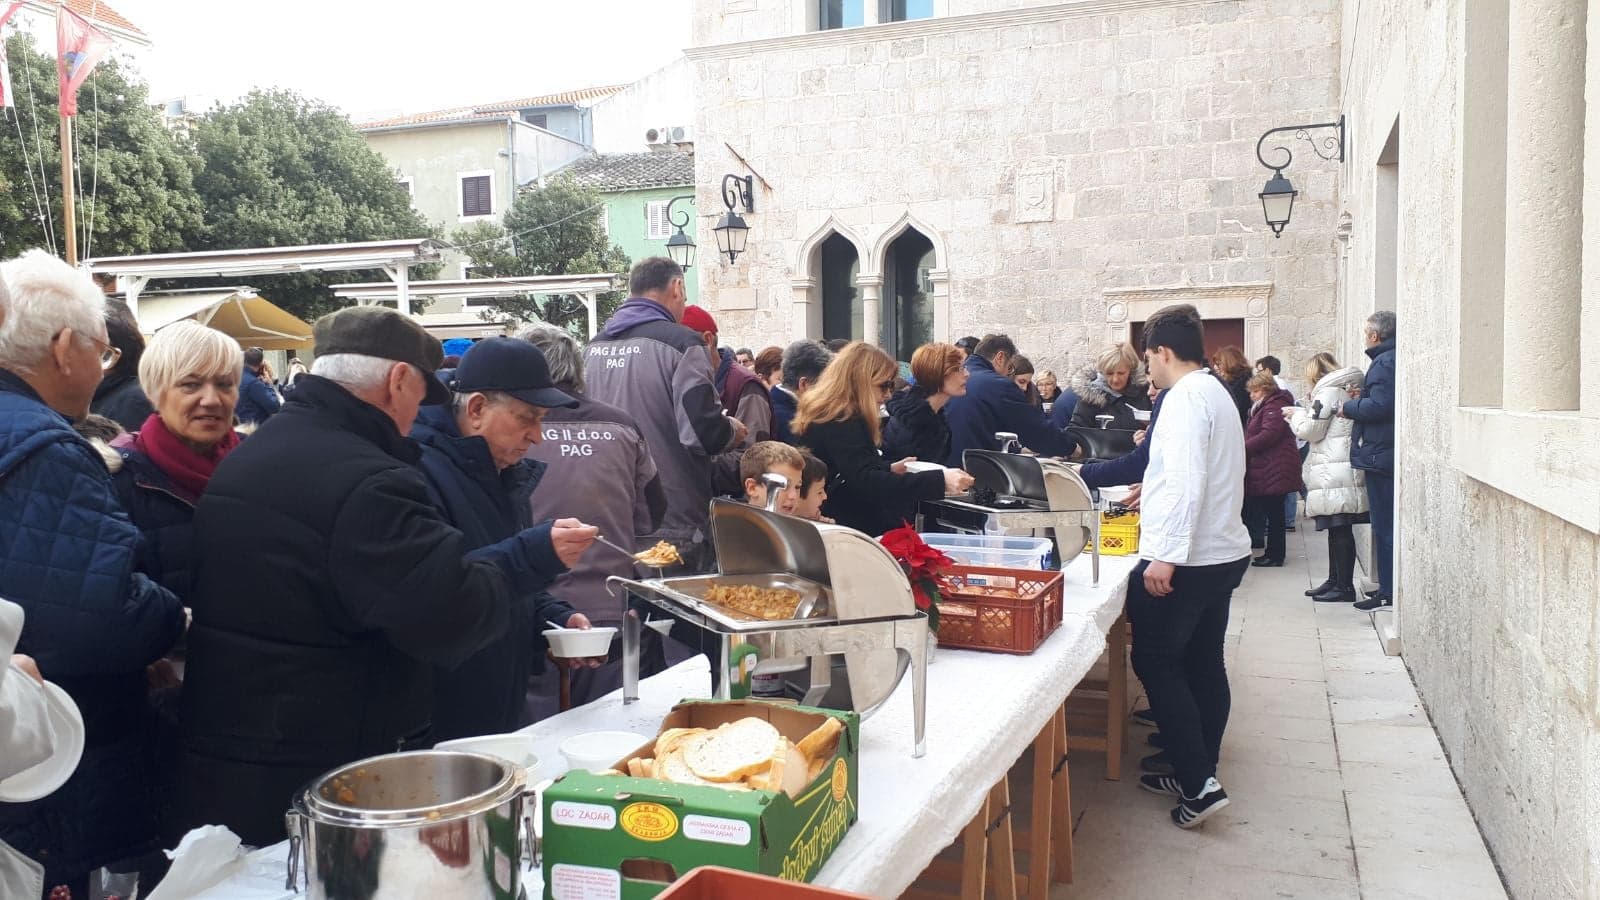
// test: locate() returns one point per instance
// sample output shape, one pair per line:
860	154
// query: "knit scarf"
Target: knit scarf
189	471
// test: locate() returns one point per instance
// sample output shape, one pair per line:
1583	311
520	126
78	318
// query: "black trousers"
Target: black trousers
1266	511
1177	653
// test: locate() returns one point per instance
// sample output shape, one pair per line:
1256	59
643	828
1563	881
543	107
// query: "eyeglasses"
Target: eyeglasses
108	354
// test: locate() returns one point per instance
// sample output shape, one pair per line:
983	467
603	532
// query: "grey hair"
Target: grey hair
45	296
561	353
1382	322
458	403
355	371
804	359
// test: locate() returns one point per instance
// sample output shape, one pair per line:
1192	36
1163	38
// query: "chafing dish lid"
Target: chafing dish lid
752	541
1010	474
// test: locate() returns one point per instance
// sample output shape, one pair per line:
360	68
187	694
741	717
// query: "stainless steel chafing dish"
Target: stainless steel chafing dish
1031	494
855	602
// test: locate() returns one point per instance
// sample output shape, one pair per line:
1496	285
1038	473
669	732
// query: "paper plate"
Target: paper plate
44	778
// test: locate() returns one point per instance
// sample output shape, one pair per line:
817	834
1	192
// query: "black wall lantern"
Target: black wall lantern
1277	198
731	230
680	247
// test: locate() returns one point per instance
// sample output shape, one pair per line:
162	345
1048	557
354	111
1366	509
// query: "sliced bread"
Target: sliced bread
734	751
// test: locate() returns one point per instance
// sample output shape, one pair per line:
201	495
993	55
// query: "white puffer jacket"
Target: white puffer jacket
1332	487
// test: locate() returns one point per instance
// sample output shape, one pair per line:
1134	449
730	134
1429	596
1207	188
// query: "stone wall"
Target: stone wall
1052	153
1496	594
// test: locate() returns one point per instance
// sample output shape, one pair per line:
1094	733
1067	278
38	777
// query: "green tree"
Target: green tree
549	230
281	170
136	180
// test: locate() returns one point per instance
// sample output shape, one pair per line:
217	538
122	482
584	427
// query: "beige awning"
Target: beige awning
240	313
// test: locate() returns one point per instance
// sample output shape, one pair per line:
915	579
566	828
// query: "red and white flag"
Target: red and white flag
5	65
79	46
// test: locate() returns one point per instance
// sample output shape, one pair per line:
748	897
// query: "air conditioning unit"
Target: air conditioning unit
666	135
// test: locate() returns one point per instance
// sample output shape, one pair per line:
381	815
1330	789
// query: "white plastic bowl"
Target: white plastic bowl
918	465
514	748
600	750
662	627
575	643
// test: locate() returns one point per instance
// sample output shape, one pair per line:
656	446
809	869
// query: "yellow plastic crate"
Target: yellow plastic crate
1119	536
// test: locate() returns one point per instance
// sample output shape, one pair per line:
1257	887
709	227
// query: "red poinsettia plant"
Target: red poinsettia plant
922	564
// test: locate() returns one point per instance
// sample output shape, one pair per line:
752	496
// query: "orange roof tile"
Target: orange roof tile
97	11
496	110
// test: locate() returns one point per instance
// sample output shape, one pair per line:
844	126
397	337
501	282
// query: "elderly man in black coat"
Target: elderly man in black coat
328	585
472	458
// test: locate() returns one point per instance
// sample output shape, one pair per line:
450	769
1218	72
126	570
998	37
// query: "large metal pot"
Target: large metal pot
433	823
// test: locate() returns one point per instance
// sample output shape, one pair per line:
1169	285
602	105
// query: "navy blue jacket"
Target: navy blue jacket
783	409
485	694
67	555
1129	467
1372	441
164	515
257	402
994	403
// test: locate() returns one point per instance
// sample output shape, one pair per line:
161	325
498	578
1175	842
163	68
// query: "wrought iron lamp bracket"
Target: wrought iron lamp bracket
1329	147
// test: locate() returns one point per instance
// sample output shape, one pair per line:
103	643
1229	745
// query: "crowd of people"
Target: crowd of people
244	582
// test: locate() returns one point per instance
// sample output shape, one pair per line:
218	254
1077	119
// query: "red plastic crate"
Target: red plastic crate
999	609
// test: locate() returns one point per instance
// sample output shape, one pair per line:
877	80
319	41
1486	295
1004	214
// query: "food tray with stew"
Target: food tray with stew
751	602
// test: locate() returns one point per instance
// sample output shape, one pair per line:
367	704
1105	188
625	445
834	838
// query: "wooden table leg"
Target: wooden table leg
1042	822
1002	850
1061	802
974	851
1116	696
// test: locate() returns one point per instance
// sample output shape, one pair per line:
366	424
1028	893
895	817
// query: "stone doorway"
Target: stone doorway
839	264
1219	333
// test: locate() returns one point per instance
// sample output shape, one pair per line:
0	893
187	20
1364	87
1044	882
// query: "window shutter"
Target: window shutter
657	228
476	197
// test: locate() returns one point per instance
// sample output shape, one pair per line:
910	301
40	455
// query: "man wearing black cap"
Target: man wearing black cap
472	458
328	586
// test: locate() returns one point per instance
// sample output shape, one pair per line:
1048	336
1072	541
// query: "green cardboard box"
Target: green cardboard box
620	838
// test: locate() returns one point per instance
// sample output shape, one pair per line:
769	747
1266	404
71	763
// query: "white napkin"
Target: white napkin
205	856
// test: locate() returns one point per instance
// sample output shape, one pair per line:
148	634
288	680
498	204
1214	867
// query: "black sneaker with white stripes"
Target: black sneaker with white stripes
1166	785
1191	811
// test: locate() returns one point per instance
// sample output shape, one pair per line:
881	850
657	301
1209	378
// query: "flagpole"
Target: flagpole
67	190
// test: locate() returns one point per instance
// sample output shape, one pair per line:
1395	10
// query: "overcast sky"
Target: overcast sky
372	57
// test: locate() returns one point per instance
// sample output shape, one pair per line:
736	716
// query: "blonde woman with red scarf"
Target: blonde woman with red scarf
191	374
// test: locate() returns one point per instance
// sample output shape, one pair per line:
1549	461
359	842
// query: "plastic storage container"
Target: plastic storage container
1004	610
998	550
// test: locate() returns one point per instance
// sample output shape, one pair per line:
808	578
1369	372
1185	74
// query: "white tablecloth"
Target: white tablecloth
984	709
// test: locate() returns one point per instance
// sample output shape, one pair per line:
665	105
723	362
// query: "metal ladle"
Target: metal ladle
600	539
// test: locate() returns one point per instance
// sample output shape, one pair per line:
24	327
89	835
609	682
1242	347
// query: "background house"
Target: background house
637	188
464	165
130	45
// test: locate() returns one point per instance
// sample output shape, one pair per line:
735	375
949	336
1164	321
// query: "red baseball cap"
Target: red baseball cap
698	320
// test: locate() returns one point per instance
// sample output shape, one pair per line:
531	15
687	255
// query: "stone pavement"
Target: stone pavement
1338	784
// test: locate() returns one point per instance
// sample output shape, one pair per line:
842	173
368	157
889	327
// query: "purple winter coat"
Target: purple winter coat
1272	463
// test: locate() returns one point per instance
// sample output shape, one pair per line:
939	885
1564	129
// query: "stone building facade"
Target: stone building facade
1473	191
1052	170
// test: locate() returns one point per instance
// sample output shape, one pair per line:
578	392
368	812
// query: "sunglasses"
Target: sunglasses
886	386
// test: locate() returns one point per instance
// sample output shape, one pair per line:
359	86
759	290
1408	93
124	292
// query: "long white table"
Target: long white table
984	709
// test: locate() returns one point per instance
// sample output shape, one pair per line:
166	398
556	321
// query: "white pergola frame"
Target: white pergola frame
588	287
395	258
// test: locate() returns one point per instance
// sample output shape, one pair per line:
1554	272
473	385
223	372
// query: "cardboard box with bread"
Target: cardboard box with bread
746	784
